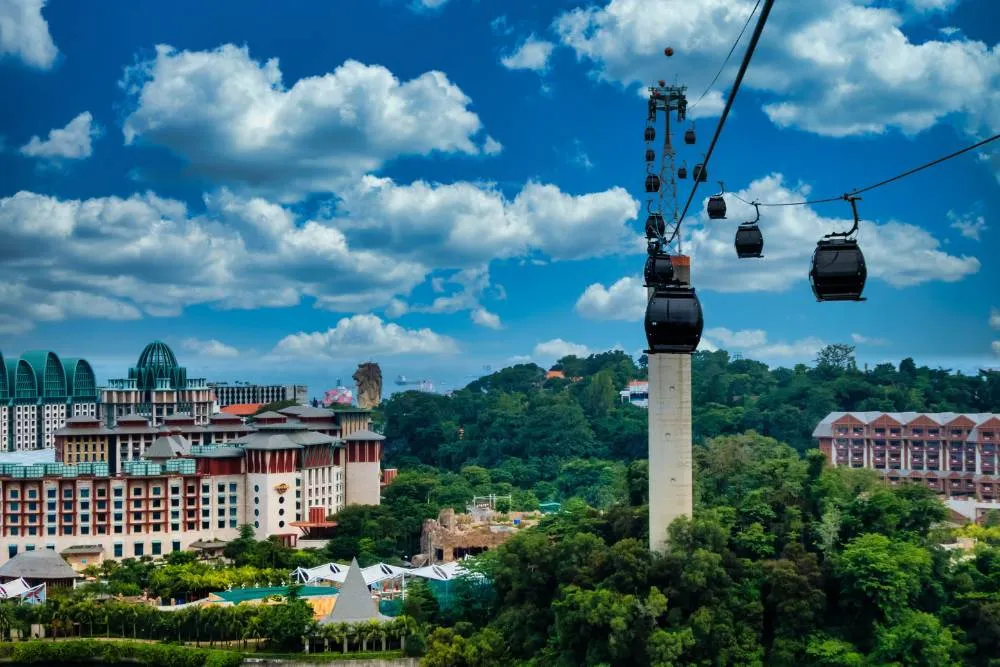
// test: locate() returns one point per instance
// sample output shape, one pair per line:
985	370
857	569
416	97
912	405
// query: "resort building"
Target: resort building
142	490
157	387
244	392
636	393
38	393
953	453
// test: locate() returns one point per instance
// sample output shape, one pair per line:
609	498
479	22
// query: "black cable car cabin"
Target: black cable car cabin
700	174
650	134
659	270
650	155
838	270
689	137
749	241
682	172
674	320
652	183
716	207
655	226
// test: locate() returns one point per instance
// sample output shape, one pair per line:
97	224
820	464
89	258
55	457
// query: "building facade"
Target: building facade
952	453
157	387
244	392
636	393
38	393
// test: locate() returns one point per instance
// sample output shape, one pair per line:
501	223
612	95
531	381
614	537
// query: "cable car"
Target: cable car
682	172
655	226
650	155
689	136
749	241
716	207
659	270
838	270
674	320
652	183
700	174
650	134
652	107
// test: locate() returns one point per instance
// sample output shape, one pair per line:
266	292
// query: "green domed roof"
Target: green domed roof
157	355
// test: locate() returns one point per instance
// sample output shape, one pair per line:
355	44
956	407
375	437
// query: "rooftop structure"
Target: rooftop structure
953	453
227	394
38	566
354	603
157	387
38	393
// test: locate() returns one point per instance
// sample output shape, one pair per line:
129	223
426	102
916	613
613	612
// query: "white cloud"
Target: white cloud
996	347
754	343
519	359
485	318
24	33
995	318
898	253
235	121
931	5
859	339
364	335
491	146
73	142
499	25
396	308
210	348
557	348
969	225
832	67
625	300
437	4
580	156
464	224
532	54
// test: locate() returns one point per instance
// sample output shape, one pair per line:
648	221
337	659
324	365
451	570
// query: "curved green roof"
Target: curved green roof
157	355
21	382
80	380
4	391
50	376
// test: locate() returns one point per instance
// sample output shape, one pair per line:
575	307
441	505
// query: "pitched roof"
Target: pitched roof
824	428
167	447
306	411
364	434
241	409
270	414
38	564
354	603
84	549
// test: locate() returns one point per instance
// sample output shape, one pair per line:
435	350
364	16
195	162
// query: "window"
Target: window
118	492
14	494
232	487
156	548
175	545
51	530
138	549
50	493
156	491
32	493
67	493
84	492
85	505
232	523
11	550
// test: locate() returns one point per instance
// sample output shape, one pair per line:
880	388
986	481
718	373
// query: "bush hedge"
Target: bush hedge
115	652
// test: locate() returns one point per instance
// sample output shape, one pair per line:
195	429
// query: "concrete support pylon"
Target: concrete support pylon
671	468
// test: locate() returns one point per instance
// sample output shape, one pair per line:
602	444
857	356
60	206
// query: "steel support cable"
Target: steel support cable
728	56
858	191
765	12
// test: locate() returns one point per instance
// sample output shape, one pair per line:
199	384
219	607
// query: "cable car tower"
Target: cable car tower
674	320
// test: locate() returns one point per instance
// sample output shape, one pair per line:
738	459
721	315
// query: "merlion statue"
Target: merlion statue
368	377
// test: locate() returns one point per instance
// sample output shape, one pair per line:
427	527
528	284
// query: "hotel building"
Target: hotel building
244	392
953	453
38	392
157	387
282	475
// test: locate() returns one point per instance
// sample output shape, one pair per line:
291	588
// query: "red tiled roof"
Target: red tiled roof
242	409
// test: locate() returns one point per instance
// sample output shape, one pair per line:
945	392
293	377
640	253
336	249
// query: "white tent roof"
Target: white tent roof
337	572
13	589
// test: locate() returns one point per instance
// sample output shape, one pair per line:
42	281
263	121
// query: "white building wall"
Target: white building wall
26	427
323	487
4	435
363	484
268	510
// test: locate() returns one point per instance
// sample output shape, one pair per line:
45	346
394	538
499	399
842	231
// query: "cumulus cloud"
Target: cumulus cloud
832	67
532	54
24	33
210	348
73	142
755	343
995	318
624	300
485	318
362	335
234	120
970	225
859	339
152	255
557	348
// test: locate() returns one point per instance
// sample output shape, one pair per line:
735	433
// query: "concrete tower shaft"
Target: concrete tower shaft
671	483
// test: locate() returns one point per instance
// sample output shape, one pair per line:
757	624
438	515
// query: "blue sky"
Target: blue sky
283	190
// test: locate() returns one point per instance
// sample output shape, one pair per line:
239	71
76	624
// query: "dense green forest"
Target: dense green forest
514	432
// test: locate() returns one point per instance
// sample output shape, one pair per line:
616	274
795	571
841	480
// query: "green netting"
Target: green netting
245	594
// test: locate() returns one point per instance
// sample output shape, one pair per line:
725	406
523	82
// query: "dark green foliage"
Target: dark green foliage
116	652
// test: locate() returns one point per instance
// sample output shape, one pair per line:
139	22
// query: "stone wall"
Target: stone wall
442	537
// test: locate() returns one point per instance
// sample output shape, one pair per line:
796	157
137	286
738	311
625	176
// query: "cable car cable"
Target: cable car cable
758	29
857	191
730	55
